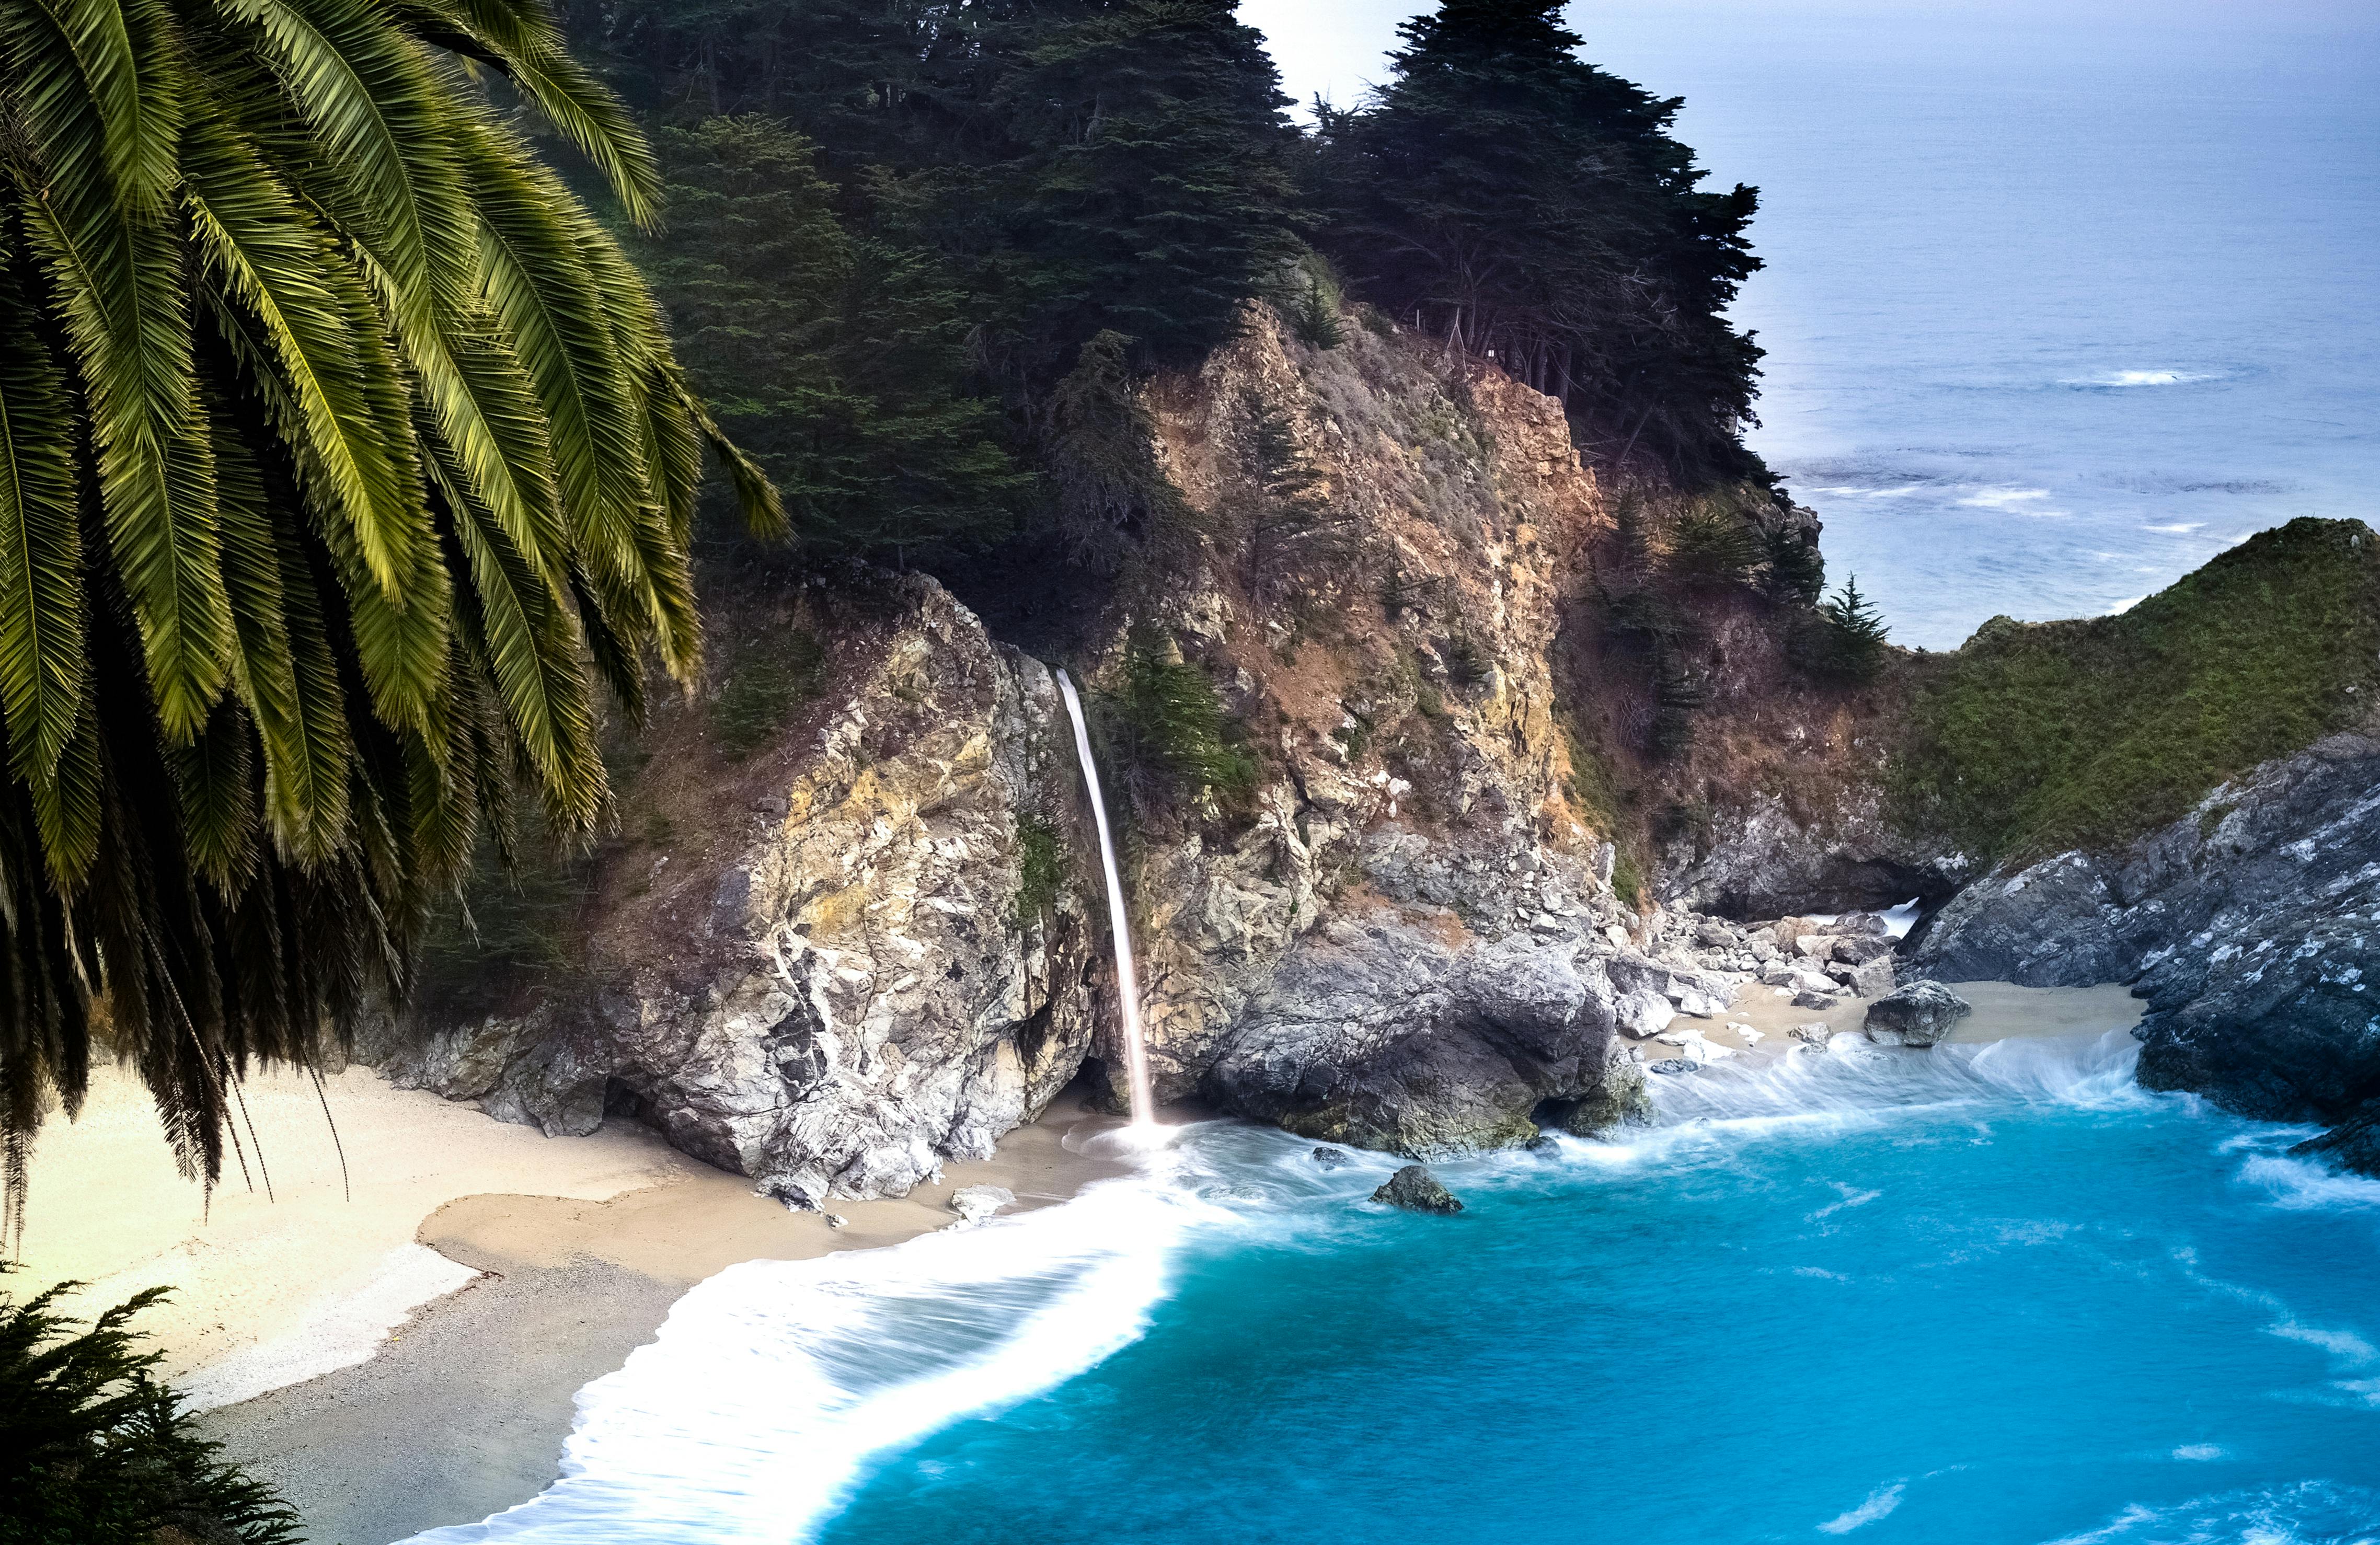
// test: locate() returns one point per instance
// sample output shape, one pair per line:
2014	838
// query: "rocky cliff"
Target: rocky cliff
820	960
1439	762
816	963
2249	926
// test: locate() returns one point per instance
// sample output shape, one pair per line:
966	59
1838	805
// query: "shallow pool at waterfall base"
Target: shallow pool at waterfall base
1978	1296
1910	1302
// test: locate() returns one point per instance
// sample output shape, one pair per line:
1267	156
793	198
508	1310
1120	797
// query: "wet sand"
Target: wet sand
2002	1012
464	1411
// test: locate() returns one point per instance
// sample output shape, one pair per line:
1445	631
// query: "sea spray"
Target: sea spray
770	1386
1135	1049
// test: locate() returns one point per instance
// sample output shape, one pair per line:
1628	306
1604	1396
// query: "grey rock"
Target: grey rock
1919	1014
1814	1037
835	1003
1870	979
2249	926
1331	1158
1416	1190
1622	1099
1817	1003
975	1203
1677	1065
1857	949
2353	1144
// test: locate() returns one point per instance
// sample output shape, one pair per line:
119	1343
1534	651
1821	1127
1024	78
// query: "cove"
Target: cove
1985	1294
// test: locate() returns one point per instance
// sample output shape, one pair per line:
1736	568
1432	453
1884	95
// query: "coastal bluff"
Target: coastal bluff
1465	773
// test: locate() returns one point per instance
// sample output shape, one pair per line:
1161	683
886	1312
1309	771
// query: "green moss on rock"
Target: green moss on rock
2037	737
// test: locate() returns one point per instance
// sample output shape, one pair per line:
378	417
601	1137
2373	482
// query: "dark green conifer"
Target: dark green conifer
1517	200
842	359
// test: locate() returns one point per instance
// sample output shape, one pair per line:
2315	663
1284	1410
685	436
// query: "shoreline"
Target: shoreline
463	1411
2003	1011
390	1376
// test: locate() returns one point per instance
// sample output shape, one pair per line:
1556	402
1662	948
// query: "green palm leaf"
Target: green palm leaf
366	447
41	548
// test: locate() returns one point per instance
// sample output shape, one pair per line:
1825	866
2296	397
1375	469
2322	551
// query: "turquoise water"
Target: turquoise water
1989	1295
1911	1301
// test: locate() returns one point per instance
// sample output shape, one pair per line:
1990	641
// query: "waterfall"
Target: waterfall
1135	1049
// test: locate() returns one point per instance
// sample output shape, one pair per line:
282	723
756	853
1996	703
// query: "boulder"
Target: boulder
1621	1100
1814	946
1416	1190
1870	979
1920	1013
1817	1003
2353	1144
975	1203
1643	1012
1677	1065
1857	949
1331	1158
1814	1037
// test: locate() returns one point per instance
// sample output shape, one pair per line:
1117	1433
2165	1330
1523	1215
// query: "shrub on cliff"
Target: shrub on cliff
1843	639
1166	726
94	1451
2036	737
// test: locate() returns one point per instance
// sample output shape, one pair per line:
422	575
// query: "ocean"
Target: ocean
1985	1294
2061	300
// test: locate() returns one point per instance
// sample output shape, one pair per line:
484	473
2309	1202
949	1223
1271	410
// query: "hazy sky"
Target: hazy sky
1337	47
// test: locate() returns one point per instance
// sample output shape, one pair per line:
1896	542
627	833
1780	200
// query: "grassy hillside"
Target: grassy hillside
2037	737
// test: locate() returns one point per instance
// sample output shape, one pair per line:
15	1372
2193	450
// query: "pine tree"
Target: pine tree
838	361
1517	200
1153	194
1844	639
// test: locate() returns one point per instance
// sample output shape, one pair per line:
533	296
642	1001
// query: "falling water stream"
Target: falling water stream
1136	1051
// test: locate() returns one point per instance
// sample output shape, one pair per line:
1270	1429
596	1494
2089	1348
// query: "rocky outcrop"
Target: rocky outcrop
1416	1190
1765	854
2353	1144
826	983
1918	1015
2249	925
1409	941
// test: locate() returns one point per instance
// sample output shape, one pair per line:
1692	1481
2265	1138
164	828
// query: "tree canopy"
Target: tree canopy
1504	193
335	436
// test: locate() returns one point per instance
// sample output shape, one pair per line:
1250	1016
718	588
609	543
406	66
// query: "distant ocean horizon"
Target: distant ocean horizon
2060	301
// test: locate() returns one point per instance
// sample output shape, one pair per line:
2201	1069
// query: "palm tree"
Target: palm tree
337	441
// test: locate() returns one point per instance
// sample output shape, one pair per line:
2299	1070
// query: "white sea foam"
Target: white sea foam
1856	1085
2007	499
1880	1503
2300	1186
2310	1513
2139	378
771	1384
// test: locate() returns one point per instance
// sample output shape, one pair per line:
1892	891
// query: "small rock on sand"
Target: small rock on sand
975	1203
1921	1013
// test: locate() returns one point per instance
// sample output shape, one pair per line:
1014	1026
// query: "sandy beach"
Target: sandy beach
399	1351
2002	1011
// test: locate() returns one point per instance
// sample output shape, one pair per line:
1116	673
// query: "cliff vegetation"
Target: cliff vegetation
2036	738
